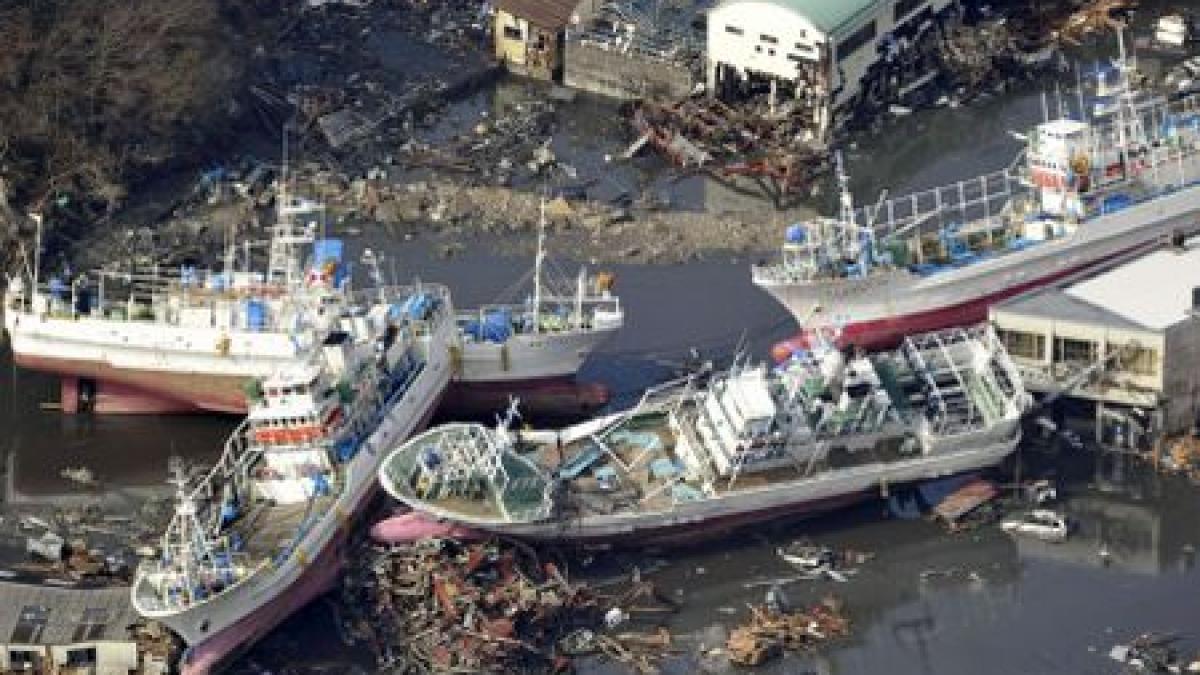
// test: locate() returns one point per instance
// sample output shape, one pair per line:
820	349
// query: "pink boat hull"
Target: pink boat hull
88	386
412	526
319	578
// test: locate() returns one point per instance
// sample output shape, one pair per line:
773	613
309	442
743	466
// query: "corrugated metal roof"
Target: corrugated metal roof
831	16
1155	290
46	615
1058	306
544	13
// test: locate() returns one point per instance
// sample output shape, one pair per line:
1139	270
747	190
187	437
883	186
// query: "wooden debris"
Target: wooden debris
768	632
445	606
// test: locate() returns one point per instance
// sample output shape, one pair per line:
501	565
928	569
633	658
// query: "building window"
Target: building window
512	33
734	30
20	659
81	658
1136	360
1024	345
905	7
769	39
758	48
770	52
861	37
1068	350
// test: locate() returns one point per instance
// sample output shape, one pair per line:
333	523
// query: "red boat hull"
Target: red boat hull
98	387
888	332
88	386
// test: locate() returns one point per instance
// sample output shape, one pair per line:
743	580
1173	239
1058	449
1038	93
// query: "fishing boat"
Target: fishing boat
534	349
1082	194
748	444
157	340
260	534
153	340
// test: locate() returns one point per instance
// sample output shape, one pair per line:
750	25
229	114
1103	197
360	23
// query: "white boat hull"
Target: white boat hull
251	608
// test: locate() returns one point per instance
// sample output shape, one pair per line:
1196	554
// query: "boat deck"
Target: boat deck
269	531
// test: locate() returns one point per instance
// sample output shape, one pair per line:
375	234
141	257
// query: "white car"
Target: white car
1040	523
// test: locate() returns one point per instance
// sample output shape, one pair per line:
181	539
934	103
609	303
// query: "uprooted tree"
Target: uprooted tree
95	94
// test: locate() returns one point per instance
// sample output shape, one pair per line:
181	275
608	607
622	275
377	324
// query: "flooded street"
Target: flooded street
929	603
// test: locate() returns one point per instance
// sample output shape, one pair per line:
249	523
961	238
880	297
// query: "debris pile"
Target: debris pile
83	544
751	140
1151	653
770	631
441	605
502	148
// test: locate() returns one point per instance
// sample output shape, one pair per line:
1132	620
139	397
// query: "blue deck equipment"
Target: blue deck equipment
417	306
57	288
256	315
571	469
347	447
1114	203
495	327
796	234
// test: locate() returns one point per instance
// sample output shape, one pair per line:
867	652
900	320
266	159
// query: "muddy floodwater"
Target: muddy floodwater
930	602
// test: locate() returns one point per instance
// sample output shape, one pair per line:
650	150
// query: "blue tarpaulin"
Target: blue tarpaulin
347	447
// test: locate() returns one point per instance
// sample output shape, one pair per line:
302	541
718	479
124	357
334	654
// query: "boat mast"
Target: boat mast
580	285
537	268
37	251
1123	99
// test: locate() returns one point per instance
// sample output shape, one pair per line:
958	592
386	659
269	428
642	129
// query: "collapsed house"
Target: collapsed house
823	56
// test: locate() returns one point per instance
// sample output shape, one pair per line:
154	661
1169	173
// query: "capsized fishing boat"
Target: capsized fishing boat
1081	194
535	348
259	535
752	443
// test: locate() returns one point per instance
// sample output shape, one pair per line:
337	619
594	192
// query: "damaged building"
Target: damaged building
825	56
1134	327
616	50
530	35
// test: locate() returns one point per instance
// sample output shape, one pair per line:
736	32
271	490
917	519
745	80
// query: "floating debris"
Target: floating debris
771	631
1041	524
444	605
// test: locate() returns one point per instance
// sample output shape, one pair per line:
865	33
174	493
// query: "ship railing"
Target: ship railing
139	297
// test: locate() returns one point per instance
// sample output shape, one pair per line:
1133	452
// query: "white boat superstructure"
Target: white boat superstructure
185	336
254	536
749	444
1082	193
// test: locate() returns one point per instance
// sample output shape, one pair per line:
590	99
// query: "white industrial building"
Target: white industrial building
819	52
1134	326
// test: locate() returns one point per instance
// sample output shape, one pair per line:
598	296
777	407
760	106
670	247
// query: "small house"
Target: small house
530	35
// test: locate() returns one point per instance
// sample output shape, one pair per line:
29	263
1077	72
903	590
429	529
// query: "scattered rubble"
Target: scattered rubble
751	140
1151	653
1181	456
771	631
442	605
